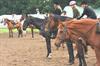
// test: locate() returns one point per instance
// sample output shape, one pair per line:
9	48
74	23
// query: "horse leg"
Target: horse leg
19	32
9	33
32	32
80	50
48	44
70	51
12	33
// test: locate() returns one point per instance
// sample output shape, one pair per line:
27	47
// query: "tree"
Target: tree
29	6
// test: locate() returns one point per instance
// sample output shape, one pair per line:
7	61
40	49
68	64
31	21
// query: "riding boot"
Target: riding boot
70	51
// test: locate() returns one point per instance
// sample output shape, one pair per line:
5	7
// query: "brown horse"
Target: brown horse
77	29
11	25
55	20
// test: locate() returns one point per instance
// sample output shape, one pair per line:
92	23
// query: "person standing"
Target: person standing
72	12
87	11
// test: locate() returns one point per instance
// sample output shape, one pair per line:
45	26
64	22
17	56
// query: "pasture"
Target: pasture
32	52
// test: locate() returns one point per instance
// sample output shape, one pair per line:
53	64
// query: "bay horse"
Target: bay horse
46	26
77	29
11	25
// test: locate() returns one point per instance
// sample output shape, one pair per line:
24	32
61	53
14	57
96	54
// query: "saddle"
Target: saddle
98	27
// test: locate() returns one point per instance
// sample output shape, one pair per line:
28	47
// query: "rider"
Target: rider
14	19
87	11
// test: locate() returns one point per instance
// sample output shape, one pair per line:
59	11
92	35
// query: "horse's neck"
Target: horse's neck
82	29
39	23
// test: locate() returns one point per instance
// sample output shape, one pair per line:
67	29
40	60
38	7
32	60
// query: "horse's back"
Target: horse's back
85	21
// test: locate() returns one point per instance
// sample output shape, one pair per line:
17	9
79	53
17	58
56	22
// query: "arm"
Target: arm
82	14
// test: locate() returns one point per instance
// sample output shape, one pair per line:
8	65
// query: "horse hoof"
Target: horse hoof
86	56
70	63
49	56
32	38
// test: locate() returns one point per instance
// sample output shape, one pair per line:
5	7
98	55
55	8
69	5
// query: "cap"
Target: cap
72	2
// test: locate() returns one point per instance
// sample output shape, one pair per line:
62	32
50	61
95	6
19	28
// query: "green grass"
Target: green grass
5	30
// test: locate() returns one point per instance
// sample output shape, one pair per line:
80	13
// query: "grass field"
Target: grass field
5	30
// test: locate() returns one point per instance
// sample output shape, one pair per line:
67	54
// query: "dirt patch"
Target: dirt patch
32	52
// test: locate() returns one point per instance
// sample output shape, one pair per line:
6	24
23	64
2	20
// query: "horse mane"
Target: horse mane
81	22
9	20
58	18
37	22
31	17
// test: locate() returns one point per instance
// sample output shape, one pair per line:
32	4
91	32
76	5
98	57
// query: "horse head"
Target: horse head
5	20
53	22
62	35
26	23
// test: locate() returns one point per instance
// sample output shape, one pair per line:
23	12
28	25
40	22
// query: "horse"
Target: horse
40	24
46	26
11	25
77	30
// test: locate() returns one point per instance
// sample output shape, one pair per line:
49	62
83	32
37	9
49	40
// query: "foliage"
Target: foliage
29	6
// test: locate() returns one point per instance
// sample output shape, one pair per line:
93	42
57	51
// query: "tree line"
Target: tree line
30	6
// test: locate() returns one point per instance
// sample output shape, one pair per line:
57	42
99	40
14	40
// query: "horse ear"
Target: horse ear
60	25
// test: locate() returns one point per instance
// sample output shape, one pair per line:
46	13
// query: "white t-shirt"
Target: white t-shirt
69	10
14	18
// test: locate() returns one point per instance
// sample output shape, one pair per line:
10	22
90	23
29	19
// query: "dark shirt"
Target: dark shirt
89	12
57	12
